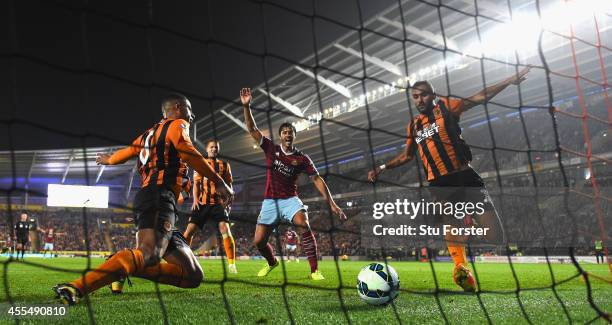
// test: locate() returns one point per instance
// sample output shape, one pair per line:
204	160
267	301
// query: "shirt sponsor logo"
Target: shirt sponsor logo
427	132
283	169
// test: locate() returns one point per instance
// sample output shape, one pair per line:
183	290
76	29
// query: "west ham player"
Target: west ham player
49	239
163	152
291	238
22	234
284	163
207	205
436	136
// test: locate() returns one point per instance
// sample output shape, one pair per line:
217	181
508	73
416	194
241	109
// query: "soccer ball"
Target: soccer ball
378	284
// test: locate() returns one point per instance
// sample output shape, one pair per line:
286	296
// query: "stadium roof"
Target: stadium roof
383	49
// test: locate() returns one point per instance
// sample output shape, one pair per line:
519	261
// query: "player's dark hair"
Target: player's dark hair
286	125
24	212
211	140
426	84
172	98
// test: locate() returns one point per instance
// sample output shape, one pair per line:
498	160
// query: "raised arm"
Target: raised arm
321	186
120	156
490	92
245	98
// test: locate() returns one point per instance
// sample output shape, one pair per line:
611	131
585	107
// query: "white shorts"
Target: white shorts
291	248
275	210
48	247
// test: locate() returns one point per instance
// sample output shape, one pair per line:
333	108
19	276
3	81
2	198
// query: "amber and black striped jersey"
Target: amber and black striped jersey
206	189
163	153
437	137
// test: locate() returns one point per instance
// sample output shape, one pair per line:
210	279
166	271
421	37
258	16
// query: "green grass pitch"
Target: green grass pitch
252	300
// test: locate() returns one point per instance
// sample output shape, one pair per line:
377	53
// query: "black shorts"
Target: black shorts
24	241
461	187
155	208
217	213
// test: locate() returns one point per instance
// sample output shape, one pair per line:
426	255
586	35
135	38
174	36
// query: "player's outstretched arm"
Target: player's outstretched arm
399	160
120	156
320	184
490	92
245	98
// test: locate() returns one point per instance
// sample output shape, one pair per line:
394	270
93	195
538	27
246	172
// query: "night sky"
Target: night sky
100	67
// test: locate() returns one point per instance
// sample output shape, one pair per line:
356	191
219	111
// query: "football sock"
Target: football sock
457	252
230	248
268	253
125	262
165	273
309	245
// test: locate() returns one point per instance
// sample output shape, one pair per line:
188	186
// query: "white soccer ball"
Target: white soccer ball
378	284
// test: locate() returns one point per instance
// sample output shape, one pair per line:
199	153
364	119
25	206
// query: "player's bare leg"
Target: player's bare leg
230	246
182	269
260	241
495	233
191	230
151	246
184	258
309	243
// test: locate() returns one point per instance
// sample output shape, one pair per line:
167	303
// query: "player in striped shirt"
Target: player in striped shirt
284	163
206	204
435	134
164	153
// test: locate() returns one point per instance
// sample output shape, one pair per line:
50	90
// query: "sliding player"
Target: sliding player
284	163
436	135
206	204
163	152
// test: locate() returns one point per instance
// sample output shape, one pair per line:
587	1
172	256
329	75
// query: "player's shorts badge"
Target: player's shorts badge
167	226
